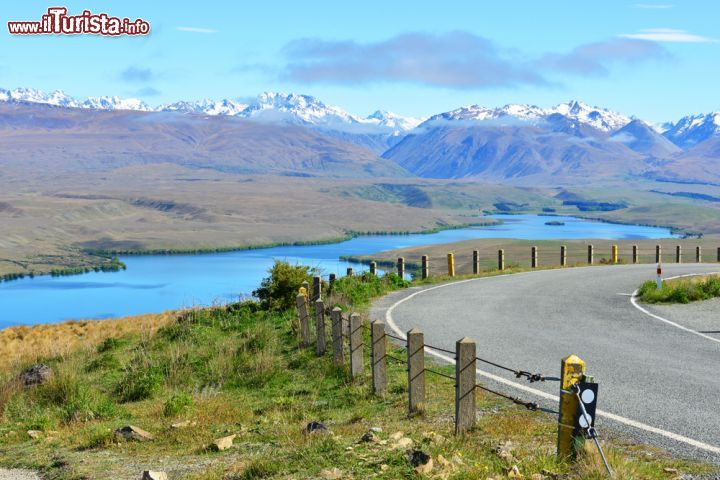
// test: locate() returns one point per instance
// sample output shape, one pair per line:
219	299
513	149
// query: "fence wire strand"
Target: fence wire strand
529	405
440	374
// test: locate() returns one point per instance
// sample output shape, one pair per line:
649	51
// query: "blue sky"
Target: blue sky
655	60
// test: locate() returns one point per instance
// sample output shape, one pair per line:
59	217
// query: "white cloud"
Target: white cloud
653	6
668	35
195	30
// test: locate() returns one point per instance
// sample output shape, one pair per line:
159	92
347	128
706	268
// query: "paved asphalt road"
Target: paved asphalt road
650	371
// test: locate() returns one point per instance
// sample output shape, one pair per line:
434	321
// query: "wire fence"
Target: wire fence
348	335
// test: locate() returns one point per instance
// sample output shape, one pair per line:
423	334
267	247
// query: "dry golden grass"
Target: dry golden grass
26	344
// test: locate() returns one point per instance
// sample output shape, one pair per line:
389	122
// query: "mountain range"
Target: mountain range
516	142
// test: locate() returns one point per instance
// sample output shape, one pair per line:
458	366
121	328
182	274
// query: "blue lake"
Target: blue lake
154	283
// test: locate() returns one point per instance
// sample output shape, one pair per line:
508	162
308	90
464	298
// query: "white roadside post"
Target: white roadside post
659	276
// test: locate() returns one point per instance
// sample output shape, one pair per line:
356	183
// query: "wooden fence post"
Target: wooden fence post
698	254
331	279
635	256
614	254
563	255
304	317
658	253
476	262
534	257
401	267
349	272
678	254
572	372
425	267
590	255
373	268
465	354
416	370
320	327
317	288
451	264
501	259
357	357
379	362
337	335
718	254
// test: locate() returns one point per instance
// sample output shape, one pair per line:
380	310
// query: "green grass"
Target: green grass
681	290
239	370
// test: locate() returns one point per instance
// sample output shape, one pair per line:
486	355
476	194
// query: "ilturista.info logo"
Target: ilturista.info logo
57	22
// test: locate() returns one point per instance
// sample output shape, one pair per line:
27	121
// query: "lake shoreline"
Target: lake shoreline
177	279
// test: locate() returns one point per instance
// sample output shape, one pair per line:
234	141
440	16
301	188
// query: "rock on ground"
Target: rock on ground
18	475
36	375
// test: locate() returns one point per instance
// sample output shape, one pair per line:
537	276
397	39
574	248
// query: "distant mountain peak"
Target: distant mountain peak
596	117
693	129
599	118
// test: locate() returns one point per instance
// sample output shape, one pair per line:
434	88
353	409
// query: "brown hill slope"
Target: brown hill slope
41	137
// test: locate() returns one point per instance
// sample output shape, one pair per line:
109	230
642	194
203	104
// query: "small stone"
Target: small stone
514	472
38	374
433	437
537	476
134	433
384	467
376	429
34	434
404	442
315	427
397	436
369	437
223	443
443	461
150	475
666	469
183	424
332	473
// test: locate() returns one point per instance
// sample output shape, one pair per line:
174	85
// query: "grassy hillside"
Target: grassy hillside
238	370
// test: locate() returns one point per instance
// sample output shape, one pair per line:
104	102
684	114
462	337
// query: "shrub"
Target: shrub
279	290
684	290
111	343
176	404
139	383
360	290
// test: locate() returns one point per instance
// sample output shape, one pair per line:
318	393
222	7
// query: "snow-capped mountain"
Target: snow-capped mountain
61	99
599	118
206	107
693	129
295	108
58	97
378	132
393	121
307	110
115	103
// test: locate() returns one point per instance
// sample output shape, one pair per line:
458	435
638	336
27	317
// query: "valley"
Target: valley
110	175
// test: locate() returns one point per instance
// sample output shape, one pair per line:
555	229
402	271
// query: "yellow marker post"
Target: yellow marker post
614	254
573	371
451	264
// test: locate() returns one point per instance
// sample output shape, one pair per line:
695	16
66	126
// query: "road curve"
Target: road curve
659	381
